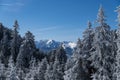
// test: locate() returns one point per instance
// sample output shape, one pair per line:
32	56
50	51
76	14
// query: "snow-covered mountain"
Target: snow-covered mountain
48	45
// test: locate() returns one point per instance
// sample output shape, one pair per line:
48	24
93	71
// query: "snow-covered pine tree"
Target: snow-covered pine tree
2	71
51	56
75	68
20	74
117	68
61	55
26	50
11	72
58	70
87	42
55	68
16	41
42	69
33	69
5	51
101	16
76	55
78	52
49	72
76	72
101	55
88	35
54	71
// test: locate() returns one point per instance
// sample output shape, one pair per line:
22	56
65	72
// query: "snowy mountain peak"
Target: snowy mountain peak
48	45
50	41
72	44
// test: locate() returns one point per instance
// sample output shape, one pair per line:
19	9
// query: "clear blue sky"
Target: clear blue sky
55	19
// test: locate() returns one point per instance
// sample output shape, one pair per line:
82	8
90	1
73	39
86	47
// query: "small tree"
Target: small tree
42	69
2	71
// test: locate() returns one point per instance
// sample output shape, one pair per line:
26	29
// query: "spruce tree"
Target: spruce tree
42	69
16	41
26	50
101	55
75	66
117	68
5	48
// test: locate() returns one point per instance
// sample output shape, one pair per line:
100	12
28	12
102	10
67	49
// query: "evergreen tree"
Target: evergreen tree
75	68
117	73
11	70
2	71
49	72
26	50
61	55
5	48
76	72
16	41
101	57
101	16
42	69
33	69
88	35
58	71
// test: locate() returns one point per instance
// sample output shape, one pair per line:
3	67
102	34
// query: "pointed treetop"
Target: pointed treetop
79	43
16	25
61	46
0	24
29	36
118	17
89	24
101	16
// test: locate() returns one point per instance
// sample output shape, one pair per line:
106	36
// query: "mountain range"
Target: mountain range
48	45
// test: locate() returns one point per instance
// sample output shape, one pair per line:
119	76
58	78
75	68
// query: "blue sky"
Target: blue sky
60	20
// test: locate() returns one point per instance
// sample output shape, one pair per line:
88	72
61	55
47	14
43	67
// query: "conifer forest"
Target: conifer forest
96	56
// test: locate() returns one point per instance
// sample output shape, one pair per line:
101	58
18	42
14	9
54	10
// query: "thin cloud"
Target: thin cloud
12	5
47	29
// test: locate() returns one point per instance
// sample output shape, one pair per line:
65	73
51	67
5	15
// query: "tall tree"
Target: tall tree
16	41
117	73
5	48
88	35
26	50
101	55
